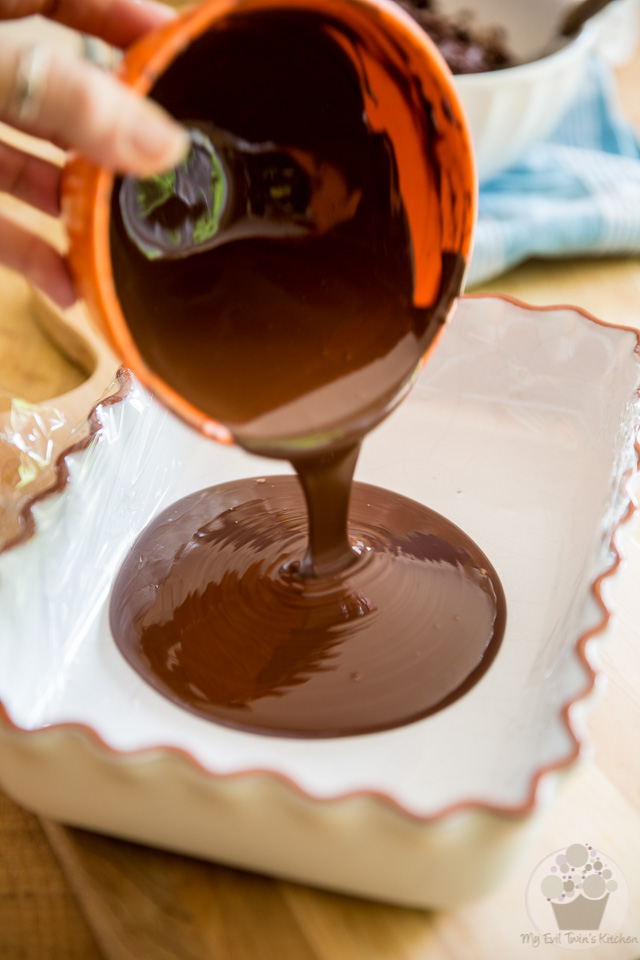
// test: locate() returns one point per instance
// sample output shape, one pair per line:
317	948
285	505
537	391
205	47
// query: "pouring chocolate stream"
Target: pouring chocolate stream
318	609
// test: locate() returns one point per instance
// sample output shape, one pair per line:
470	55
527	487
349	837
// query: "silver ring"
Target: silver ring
30	83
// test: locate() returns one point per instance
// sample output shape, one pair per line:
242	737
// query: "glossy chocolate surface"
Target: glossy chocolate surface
210	609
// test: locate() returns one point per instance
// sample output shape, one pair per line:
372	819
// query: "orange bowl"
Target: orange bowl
408	94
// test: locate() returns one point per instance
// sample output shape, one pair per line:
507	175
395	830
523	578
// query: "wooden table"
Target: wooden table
69	895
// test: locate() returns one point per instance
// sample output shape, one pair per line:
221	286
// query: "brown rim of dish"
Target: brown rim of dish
462	806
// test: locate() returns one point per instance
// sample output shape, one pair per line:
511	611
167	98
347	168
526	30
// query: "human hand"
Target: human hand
76	106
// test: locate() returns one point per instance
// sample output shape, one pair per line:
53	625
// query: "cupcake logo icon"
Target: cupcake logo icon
577	897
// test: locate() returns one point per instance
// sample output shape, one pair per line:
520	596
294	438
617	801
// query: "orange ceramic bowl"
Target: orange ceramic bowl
408	94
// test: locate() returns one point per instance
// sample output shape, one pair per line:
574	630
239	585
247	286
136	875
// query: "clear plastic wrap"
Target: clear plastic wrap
32	438
47	353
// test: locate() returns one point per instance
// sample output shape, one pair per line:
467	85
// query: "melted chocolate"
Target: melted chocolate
466	46
291	342
278	606
210	609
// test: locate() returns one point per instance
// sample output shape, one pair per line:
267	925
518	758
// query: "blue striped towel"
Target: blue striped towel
577	193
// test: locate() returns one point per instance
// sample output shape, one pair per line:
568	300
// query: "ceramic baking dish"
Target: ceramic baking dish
522	429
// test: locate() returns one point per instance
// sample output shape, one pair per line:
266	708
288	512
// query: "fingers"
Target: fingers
76	105
37	261
118	22
30	179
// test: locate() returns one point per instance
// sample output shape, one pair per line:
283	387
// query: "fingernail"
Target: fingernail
158	142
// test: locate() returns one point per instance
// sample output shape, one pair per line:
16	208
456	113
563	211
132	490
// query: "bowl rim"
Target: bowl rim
577	736
575	47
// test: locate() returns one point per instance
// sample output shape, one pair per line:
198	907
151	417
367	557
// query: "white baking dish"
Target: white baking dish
522	430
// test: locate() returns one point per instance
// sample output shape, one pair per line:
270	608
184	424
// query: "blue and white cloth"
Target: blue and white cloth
575	194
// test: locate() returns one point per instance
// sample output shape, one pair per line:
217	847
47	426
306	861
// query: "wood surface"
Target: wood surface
67	894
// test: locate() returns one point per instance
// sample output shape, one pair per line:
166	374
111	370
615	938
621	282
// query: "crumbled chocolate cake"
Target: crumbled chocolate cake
466	47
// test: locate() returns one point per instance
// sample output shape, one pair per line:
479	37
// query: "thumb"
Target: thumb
76	105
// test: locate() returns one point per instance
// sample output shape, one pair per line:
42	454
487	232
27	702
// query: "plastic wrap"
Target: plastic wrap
124	464
49	354
32	438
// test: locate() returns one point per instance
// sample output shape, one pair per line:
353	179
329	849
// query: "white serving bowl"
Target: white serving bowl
521	429
510	110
